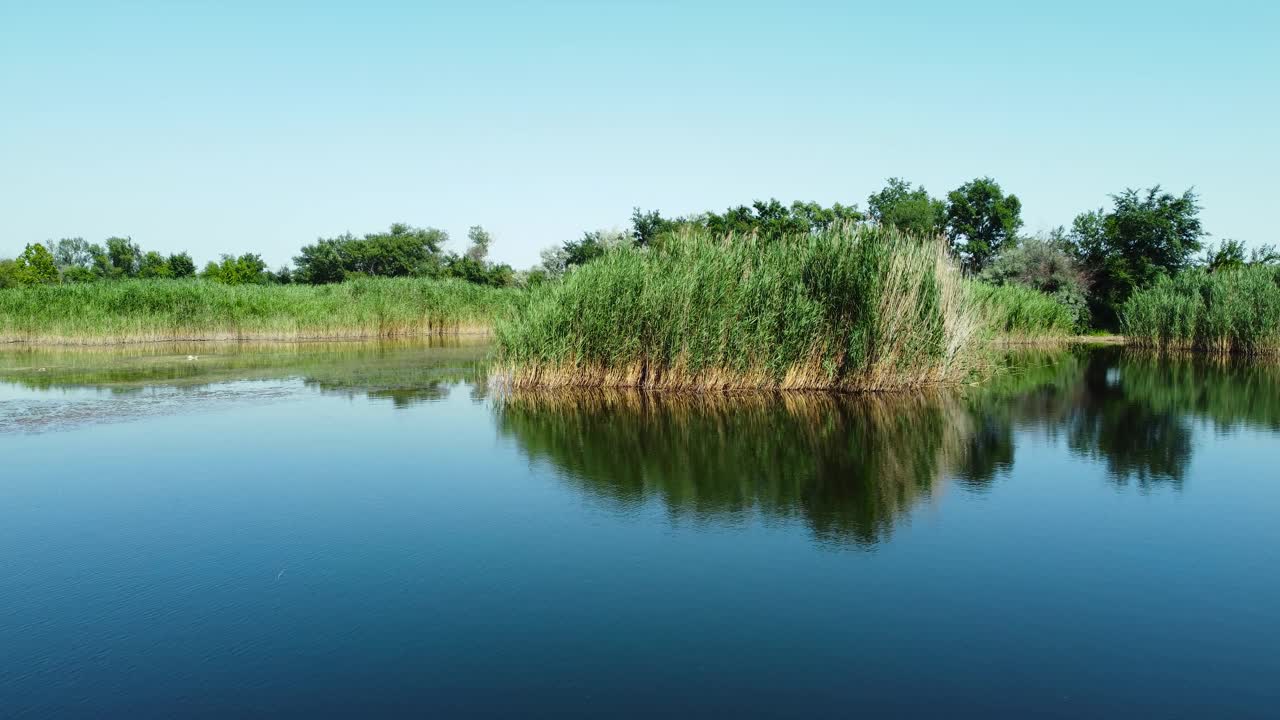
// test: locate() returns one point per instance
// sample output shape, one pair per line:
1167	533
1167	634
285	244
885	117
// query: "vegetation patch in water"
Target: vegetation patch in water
848	308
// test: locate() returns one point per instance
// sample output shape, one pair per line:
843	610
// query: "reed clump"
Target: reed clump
1227	311
173	310
853	308
1015	313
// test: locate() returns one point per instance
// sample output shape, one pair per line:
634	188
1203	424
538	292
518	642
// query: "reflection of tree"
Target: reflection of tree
848	466
1113	422
1131	412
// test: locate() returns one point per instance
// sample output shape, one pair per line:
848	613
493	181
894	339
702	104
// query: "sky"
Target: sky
229	127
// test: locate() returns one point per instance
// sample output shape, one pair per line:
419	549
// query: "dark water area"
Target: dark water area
353	530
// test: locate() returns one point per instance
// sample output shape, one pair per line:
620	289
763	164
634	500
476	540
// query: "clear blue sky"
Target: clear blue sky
231	127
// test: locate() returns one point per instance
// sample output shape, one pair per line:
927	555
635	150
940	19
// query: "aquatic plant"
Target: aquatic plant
1017	313
849	308
1233	310
153	310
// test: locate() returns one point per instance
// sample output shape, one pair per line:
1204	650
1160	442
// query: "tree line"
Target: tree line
1092	266
401	251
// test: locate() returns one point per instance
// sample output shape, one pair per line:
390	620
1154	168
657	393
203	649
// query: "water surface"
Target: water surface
352	530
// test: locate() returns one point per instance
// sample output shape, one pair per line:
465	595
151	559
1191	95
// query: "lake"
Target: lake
355	530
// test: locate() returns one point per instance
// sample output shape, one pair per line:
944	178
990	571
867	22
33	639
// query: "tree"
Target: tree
181	265
124	257
35	266
1044	264
153	265
402	251
771	219
248	269
9	274
1146	235
646	227
912	211
73	252
980	220
1228	256
1264	255
480	241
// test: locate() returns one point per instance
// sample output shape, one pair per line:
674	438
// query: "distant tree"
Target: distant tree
592	245
248	269
771	219
73	252
101	265
480	240
1227	256
401	251
124	256
76	274
9	274
283	276
1146	235
1044	264
909	210
980	220
36	266
181	265
153	265
1265	255
647	227
322	262
554	262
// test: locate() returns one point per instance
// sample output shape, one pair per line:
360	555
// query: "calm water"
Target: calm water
350	530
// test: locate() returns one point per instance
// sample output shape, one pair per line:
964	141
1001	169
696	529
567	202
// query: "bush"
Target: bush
1043	264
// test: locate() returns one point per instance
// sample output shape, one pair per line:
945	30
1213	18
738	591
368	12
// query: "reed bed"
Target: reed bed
1228	311
1014	313
175	310
850	309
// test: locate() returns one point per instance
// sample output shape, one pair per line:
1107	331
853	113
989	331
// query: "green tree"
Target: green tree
124	255
1228	256
248	269
1146	235
646	227
480	241
910	210
181	265
401	251
981	219
9	274
73	252
153	265
1042	263
36	266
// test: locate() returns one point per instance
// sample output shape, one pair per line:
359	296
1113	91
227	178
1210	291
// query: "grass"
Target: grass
170	310
853	308
1229	311
1015	313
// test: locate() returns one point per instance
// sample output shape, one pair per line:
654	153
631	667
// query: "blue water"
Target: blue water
349	536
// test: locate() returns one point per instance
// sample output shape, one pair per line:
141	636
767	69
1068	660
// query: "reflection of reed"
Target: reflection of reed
850	467
404	371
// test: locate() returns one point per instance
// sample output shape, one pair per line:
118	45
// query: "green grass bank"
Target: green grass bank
168	310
